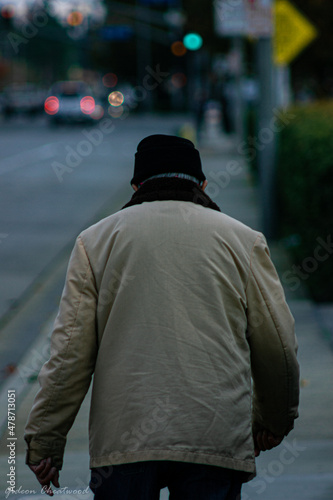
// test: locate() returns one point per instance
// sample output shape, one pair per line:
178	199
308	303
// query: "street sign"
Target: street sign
260	18
293	32
244	18
230	19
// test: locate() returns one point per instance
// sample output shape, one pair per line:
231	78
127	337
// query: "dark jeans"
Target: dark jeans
185	481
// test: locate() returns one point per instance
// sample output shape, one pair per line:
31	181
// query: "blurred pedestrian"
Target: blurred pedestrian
200	105
172	305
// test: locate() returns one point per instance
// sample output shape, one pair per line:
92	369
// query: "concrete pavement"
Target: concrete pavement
301	468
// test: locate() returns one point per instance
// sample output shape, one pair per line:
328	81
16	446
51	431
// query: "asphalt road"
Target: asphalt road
54	182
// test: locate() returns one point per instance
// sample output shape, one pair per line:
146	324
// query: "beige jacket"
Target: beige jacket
169	304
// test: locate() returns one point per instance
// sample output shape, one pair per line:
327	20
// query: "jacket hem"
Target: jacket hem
177	456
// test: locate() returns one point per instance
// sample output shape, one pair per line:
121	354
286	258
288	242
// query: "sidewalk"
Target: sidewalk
301	468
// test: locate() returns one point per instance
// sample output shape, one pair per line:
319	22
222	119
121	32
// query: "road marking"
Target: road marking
23	159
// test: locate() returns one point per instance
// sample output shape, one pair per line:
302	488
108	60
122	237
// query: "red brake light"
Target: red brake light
87	105
51	105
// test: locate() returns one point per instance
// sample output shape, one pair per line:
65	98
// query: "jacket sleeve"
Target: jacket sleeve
65	378
273	346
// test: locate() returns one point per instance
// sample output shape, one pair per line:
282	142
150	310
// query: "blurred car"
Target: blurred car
71	102
20	99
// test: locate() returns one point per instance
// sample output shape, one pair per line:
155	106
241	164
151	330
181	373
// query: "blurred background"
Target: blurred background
250	82
218	71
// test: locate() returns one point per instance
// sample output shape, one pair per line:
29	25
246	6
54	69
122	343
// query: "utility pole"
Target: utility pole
267	148
255	18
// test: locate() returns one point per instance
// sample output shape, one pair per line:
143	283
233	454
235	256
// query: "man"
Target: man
172	305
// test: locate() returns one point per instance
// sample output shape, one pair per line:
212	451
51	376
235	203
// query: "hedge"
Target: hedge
305	197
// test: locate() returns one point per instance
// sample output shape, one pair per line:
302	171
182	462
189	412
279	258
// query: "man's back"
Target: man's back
172	376
172	306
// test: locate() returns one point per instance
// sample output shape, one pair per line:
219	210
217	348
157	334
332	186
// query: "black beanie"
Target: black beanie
161	154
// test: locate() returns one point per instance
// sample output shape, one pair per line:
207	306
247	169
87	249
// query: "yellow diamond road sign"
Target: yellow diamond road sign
293	32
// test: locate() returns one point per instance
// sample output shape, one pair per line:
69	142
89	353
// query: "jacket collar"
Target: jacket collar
171	189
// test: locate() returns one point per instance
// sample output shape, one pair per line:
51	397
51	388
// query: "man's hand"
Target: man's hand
46	474
265	440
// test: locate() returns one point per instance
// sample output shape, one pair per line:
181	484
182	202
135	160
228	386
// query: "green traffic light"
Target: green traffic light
192	41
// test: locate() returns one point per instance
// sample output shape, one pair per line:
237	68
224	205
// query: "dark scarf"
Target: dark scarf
168	188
